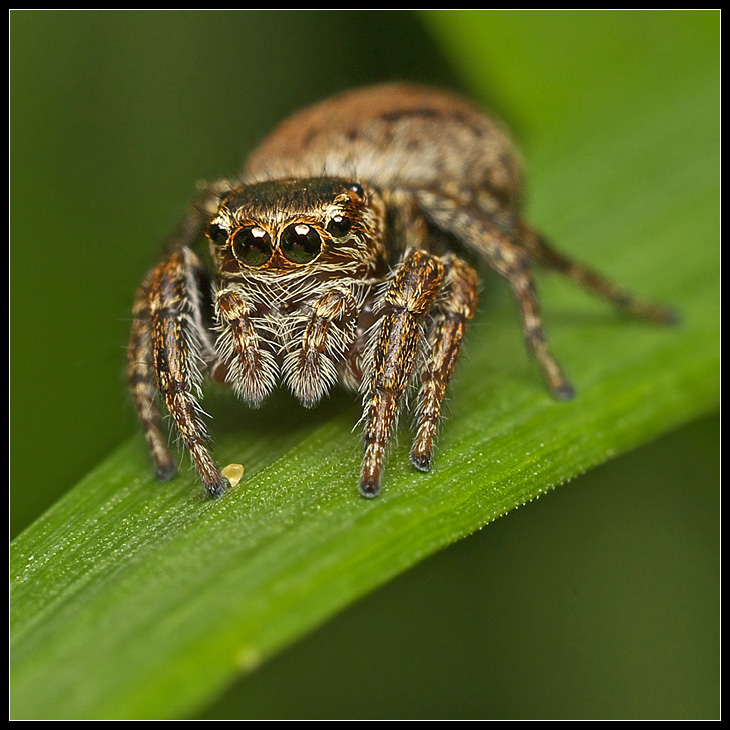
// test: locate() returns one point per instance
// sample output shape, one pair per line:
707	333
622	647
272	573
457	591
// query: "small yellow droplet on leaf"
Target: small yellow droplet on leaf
233	472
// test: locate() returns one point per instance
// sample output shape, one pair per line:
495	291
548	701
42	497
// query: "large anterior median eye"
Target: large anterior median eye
300	243
252	246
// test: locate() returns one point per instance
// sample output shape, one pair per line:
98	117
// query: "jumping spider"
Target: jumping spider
345	252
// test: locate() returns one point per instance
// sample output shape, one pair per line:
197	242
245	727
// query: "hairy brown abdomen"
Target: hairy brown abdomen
394	135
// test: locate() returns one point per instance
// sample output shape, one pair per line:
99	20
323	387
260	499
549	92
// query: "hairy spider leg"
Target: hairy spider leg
504	254
172	337
544	253
143	385
451	313
397	343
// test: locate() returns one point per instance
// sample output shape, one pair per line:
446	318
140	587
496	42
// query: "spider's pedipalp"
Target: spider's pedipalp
325	332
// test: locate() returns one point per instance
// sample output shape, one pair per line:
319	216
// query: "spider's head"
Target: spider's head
286	226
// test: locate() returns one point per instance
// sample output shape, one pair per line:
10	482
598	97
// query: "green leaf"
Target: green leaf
132	599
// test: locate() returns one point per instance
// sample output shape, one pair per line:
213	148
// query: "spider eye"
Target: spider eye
216	233
357	189
339	226
300	243
252	246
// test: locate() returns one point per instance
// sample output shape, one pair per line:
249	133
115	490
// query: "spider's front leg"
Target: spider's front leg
169	339
398	337
451	313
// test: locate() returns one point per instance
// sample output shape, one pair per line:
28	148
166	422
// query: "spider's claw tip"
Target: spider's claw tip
564	392
369	488
216	489
422	462
165	472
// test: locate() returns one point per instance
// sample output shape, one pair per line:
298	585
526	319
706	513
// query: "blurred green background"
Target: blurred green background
601	600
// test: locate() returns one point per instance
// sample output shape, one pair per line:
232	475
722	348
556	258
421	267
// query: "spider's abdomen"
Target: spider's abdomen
394	136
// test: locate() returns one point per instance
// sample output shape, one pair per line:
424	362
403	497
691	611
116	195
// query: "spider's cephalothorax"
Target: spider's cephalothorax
295	262
344	253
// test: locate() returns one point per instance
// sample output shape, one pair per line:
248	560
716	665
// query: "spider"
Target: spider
346	251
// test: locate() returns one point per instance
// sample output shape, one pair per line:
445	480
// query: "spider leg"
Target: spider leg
171	337
143	385
396	345
451	314
506	256
310	369
545	254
